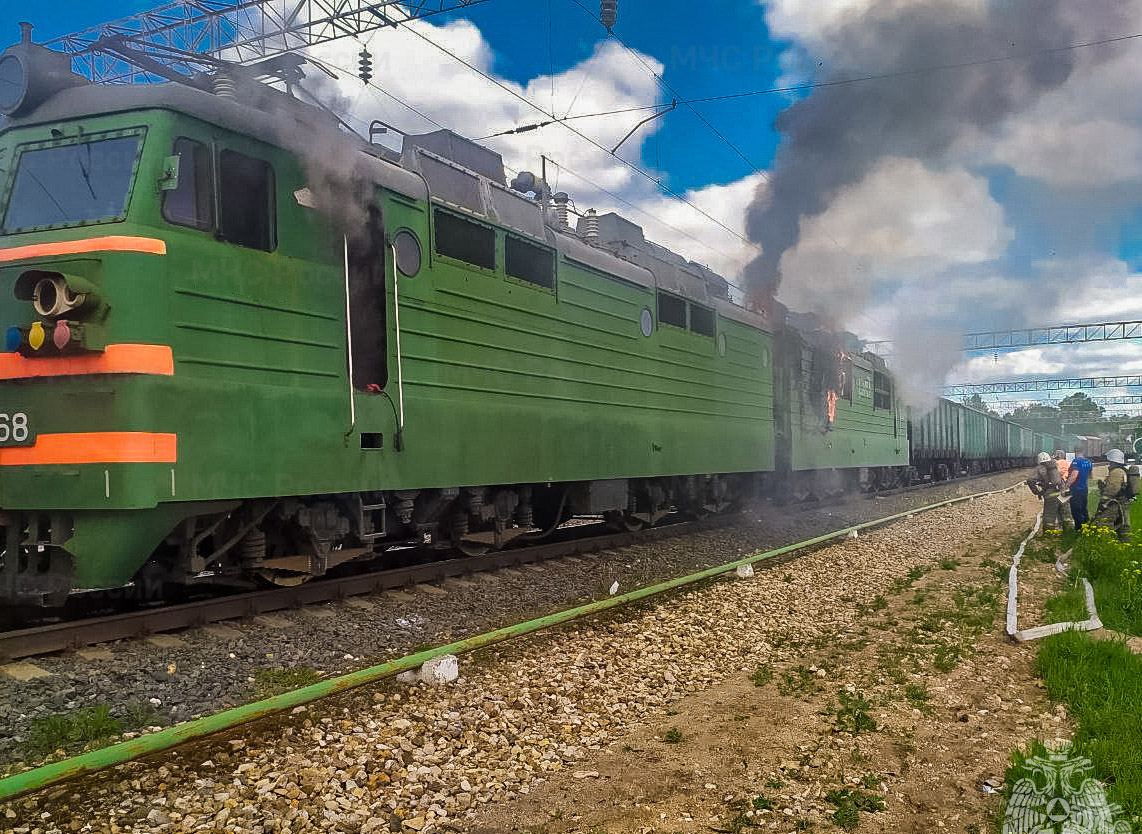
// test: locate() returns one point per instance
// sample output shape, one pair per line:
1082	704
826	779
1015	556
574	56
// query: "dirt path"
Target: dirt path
916	707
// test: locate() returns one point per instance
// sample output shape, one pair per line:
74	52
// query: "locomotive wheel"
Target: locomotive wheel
289	553
479	542
471	549
283	578
622	522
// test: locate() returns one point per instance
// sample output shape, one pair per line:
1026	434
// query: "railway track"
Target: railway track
79	633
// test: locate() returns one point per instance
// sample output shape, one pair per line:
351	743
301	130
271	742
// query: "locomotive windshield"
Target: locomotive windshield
71	183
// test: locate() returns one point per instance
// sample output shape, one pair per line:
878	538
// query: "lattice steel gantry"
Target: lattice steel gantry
1061	334
1015	386
239	30
1058	335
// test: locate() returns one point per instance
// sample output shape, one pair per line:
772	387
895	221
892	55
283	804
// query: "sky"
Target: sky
988	177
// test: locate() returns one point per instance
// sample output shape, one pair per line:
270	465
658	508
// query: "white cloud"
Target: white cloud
1085	133
1074	361
408	68
1104	291
812	23
903	224
663	217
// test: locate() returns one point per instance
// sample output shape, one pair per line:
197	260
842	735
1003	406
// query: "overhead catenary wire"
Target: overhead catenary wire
559	166
884	76
678	99
527	128
657	181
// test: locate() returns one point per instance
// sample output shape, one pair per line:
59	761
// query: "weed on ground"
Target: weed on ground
270	682
67	731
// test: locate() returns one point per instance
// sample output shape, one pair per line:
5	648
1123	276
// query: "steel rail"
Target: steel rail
47	775
76	634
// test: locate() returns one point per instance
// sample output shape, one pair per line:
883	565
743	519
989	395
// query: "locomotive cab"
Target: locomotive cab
139	224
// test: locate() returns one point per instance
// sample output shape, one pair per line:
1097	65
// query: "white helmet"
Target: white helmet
1116	456
1044	457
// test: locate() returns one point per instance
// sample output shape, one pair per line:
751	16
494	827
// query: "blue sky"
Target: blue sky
724	48
1036	221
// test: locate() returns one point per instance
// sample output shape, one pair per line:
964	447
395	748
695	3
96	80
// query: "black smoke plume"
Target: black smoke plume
835	135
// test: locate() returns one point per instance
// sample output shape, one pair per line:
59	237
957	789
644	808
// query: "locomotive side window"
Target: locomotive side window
246	201
529	262
881	391
192	203
701	320
671	310
457	237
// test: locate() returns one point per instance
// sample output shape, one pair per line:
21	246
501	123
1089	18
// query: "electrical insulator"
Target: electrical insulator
608	13
366	66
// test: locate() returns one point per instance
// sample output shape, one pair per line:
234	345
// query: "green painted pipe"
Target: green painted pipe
136	748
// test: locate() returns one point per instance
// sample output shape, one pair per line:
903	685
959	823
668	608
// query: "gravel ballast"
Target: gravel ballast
206	670
397	757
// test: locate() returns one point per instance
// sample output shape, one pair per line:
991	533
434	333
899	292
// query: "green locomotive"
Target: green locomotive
240	342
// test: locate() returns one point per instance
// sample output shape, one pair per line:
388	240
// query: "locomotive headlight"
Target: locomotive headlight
53	296
36	336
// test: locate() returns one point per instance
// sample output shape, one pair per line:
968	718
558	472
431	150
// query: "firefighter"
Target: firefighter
1078	480
1046	483
1115	495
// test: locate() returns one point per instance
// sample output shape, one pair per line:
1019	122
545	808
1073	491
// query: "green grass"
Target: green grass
1069	606
270	682
672	736
948	658
1101	682
852	713
849	804
1114	569
799	681
762	675
918	696
70	730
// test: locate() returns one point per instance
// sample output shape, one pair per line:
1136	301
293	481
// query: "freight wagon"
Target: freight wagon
952	439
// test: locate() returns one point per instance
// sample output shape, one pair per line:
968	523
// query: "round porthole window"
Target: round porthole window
406	245
721	344
646	322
